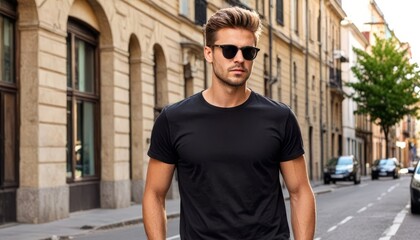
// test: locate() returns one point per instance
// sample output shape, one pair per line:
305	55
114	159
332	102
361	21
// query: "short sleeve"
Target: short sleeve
292	142
161	147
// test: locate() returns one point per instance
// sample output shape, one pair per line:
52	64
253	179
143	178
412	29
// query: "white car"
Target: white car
415	190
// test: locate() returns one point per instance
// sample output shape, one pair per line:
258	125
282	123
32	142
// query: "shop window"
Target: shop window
8	98
82	102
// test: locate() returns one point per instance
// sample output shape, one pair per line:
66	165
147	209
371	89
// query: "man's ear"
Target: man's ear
208	54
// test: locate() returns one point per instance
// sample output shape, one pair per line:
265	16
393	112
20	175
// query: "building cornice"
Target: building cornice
336	7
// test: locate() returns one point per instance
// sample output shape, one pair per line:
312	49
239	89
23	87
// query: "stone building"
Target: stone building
83	80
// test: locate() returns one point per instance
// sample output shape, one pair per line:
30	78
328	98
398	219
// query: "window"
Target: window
278	70
280	12
82	102
295	16
278	76
240	3
267	75
313	83
200	12
184	7
8	98
310	28
260	7
314	110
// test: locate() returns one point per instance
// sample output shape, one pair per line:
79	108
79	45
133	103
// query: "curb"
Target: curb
123	223
138	220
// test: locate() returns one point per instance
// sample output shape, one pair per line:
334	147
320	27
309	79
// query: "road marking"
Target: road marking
382	195
362	209
340	223
332	228
388	191
345	220
392	230
173	237
393	187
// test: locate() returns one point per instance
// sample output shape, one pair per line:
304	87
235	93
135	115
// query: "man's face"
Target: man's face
235	71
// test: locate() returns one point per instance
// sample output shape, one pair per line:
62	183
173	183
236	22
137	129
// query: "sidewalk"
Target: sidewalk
85	221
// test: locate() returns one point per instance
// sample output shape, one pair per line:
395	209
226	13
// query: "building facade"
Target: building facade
357	130
83	80
368	17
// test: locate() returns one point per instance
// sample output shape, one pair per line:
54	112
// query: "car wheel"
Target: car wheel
326	181
415	208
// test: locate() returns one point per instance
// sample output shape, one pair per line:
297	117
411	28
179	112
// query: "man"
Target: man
228	144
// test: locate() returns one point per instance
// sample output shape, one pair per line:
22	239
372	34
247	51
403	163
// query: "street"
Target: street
371	210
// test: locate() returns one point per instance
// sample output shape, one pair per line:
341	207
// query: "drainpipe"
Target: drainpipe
291	57
307	61
307	84
321	129
270	51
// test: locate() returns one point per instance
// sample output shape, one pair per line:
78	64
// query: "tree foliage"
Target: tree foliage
388	86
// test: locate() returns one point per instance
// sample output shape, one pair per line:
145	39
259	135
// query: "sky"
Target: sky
403	17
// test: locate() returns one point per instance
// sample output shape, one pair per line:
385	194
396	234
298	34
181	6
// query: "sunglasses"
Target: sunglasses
230	51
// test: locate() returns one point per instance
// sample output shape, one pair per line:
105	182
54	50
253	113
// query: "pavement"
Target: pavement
83	222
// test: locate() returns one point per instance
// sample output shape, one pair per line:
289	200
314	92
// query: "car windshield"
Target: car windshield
344	161
332	162
386	162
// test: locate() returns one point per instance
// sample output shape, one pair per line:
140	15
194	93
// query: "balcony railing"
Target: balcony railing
335	78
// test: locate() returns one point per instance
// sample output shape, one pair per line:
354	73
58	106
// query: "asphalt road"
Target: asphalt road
373	210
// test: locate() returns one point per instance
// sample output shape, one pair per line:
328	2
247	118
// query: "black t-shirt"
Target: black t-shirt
227	162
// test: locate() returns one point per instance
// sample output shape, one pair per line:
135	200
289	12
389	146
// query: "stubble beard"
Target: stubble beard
231	83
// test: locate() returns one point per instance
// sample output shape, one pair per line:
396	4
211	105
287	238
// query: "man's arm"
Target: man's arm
302	200
158	181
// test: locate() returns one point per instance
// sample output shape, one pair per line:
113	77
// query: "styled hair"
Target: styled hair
232	17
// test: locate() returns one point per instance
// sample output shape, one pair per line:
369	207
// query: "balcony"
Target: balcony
335	83
335	78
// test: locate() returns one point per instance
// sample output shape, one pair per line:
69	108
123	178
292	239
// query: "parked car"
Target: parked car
343	168
387	167
415	190
411	168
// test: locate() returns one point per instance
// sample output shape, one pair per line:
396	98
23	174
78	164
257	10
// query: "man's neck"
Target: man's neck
226	97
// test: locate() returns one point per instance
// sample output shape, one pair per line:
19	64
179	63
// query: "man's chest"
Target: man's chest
228	141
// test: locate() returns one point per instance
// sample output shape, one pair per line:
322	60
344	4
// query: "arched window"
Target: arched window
82	102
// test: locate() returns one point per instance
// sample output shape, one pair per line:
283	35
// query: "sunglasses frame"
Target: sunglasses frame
244	54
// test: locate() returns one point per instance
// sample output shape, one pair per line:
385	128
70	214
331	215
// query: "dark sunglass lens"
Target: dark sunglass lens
229	51
249	53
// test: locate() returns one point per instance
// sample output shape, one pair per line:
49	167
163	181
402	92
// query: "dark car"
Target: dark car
343	168
415	190
387	167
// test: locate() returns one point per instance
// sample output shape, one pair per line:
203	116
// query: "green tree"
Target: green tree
388	86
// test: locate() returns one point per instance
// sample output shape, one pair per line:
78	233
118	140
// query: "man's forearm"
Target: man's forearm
154	217
303	215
